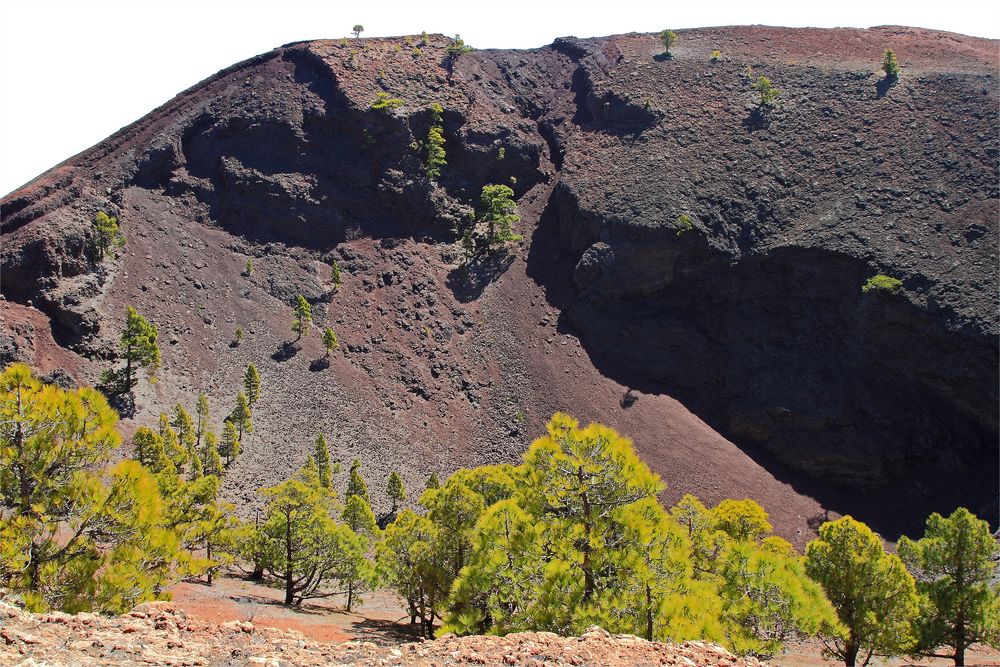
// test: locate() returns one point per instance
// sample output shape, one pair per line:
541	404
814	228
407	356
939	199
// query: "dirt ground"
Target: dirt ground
381	619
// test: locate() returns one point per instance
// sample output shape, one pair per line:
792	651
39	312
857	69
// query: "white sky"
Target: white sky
73	72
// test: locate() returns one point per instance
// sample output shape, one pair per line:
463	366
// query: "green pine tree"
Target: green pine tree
303	546
335	277
230	446
74	534
432	482
875	597
330	341
395	491
241	416
251	384
138	344
954	566
356	483
210	460
203	418
321	454
176	451
186	433
107	235
302	317
148	450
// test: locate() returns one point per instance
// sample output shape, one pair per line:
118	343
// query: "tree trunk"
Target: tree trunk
208	555
128	369
960	655
649	614
851	653
350	595
413	611
289	579
588	569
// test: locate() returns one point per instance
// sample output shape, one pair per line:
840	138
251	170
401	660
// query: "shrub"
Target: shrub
882	282
248	269
716	56
890	66
683	224
385	102
669	38
458	47
768	93
433	148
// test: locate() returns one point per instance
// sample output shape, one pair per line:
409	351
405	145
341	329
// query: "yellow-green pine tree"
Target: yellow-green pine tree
875	597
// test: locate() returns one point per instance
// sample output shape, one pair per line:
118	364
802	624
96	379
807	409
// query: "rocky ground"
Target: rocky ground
161	634
239	624
741	356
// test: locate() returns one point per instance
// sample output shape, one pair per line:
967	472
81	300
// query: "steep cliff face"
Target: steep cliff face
754	318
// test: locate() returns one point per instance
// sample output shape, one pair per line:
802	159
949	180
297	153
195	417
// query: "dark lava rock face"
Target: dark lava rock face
754	318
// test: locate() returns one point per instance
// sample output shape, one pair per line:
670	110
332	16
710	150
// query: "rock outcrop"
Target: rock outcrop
754	318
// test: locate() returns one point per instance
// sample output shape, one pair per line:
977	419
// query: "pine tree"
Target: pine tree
499	214
330	341
241	416
203	416
251	383
196	468
218	531
432	482
699	524
890	65
356	483
358	516
454	509
74	535
767	600
669	38
954	568
871	590
147	447
767	92
743	520
107	235
321	454
582	476
302	317
433	147
176	452
210	460
395	491
186	433
138	343
302	545
335	276
230	446
406	560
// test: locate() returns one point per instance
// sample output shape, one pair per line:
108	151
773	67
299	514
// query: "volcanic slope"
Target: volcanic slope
742	356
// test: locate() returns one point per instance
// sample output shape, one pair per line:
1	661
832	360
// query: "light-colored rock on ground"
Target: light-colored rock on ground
159	634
